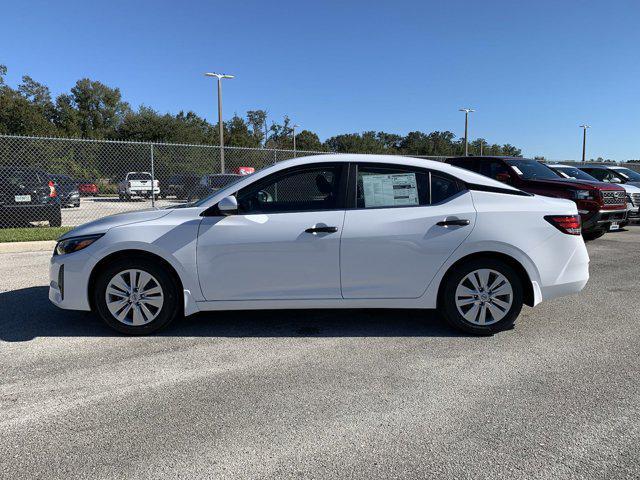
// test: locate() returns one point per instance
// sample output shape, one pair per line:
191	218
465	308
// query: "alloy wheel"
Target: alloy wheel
484	297
134	297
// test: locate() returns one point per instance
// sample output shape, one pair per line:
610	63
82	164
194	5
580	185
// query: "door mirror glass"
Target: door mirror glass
616	180
503	177
228	205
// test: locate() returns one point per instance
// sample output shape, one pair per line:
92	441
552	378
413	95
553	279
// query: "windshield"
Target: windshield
531	169
227	187
221	181
628	173
573	172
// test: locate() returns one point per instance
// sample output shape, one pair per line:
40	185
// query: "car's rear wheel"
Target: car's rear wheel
482	296
136	296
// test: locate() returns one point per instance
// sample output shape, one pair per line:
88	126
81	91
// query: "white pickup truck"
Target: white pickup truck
138	184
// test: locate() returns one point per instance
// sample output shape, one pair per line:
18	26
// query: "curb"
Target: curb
21	247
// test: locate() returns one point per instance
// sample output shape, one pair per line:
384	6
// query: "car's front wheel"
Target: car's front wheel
136	296
482	296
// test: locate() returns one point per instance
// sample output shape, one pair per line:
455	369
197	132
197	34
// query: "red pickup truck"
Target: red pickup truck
602	206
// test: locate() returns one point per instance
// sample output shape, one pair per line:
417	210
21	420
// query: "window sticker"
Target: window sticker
517	170
390	190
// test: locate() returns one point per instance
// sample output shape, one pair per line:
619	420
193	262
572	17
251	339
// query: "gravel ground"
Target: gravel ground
324	394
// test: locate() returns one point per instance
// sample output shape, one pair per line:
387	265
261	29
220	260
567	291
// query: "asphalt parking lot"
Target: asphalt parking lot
325	394
92	208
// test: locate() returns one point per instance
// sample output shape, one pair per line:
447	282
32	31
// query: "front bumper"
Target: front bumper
601	220
68	277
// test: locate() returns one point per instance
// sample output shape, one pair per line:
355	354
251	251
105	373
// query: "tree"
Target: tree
307	140
100	108
257	120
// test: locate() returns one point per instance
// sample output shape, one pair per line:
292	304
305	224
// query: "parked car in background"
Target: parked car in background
633	192
28	195
211	183
628	176
67	189
180	186
602	206
613	174
138	184
330	231
87	188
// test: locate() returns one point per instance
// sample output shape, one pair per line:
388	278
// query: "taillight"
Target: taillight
569	224
52	189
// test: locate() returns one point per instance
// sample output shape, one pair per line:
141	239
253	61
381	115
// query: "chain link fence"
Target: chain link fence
68	182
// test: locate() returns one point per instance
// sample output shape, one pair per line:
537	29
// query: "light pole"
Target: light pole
466	129
294	139
481	145
584	140
220	76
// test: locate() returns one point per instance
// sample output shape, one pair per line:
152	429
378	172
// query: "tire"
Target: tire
55	218
592	235
155	318
457	288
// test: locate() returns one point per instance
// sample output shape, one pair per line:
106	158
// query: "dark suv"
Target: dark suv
180	185
28	195
600	204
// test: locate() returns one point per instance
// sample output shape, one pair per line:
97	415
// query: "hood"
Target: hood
633	184
574	183
117	220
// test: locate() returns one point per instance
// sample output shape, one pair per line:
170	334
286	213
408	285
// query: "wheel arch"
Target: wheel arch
128	253
527	284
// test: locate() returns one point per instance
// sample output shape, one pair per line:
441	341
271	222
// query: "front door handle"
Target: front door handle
459	222
323	229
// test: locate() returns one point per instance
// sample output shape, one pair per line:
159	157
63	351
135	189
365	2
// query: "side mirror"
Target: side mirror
616	180
503	177
228	205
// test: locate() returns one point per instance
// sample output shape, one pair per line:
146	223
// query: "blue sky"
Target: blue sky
534	71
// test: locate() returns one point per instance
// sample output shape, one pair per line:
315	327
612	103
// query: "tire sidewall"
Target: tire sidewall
171	302
448	303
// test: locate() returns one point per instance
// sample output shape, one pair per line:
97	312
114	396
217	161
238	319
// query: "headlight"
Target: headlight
582	195
75	244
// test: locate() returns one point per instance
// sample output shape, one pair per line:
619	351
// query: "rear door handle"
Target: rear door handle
461	222
323	229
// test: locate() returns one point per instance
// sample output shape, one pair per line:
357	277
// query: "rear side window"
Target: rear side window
466	163
139	176
389	187
491	168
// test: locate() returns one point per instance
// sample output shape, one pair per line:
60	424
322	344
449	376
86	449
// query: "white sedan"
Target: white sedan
330	231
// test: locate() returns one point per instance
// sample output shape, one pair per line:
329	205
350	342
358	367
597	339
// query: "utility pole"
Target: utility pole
584	140
220	76
294	139
466	129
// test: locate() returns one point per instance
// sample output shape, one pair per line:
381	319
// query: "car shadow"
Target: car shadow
28	314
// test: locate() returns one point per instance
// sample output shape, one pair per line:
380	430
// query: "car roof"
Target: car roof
559	165
461	173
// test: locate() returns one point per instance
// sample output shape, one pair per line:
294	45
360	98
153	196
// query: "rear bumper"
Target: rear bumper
601	220
572	277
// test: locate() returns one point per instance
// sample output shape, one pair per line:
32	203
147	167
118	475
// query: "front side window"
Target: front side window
306	189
